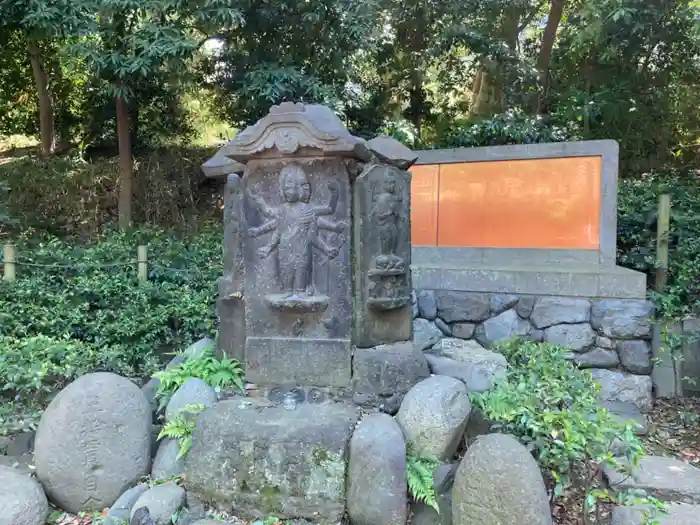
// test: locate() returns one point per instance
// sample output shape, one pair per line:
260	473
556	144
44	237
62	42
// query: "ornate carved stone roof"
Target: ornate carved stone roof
296	129
220	166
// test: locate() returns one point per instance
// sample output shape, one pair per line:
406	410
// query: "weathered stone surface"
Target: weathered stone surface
414	304
382	375
463	330
455	306
444	327
162	501
576	337
549	311
382	255
500	303
433	416
503	327
199	348
604	342
635	356
668	479
166	463
478	425
120	512
142	517
499	483
676	514
392	152
93	442
264	460
469	362
22	500
627	413
422	514
425	334
194	391
597	358
622	318
525	306
377	473
427	304
624	388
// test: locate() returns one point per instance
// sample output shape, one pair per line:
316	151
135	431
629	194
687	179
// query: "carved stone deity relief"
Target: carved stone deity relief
296	228
385	216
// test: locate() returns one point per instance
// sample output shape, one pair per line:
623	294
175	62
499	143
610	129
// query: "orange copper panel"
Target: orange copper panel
533	203
424	205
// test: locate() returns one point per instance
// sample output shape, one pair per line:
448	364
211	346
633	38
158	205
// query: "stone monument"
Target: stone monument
318	229
316	301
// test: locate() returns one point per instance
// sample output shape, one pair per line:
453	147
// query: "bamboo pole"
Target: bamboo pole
142	258
10	264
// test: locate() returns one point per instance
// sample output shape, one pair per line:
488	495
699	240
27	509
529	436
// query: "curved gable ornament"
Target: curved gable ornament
293	127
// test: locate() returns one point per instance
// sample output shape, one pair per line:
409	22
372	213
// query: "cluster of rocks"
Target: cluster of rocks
610	336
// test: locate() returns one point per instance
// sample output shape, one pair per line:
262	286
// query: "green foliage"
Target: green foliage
181	427
85	314
637	209
217	373
551	406
419	473
512	127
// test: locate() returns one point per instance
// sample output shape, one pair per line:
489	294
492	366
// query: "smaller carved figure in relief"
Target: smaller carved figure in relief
385	215
295	224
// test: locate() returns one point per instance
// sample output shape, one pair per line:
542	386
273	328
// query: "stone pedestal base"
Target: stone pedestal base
262	460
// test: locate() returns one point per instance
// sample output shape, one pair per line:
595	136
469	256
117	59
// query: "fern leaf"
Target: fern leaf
419	474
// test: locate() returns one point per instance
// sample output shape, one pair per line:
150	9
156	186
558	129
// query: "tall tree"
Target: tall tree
556	11
126	40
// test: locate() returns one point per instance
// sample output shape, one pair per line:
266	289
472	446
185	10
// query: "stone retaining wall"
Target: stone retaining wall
601	333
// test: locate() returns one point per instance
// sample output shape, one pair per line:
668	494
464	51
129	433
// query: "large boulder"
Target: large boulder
264	460
433	416
382	375
453	307
503	327
377	473
499	483
162	502
22	500
425	333
624	388
93	442
622	318
550	311
469	362
674	514
194	391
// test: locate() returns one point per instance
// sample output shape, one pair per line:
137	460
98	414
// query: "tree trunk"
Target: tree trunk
46	128
556	10
126	166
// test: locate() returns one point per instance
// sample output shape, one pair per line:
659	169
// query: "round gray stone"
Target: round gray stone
93	442
193	392
597	358
549	311
22	500
162	501
166	463
377	473
433	416
469	362
575	337
622	318
427	306
503	327
121	510
624	388
499	483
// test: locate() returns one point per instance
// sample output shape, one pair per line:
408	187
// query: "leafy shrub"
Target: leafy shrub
419	473
84	314
216	373
181	427
512	127
551	407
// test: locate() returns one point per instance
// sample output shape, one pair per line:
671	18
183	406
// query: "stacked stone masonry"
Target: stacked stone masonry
612	334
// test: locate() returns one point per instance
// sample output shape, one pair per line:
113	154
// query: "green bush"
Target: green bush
551	407
85	314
